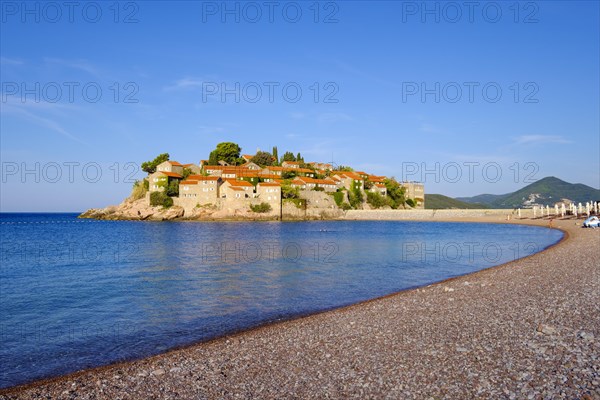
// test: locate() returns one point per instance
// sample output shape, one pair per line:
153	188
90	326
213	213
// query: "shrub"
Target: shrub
376	200
289	192
318	189
411	202
299	203
173	188
139	190
261	208
160	199
339	198
346	206
355	196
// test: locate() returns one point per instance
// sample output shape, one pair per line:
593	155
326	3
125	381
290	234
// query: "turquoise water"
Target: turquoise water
76	294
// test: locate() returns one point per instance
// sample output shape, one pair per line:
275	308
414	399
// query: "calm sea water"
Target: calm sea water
81	293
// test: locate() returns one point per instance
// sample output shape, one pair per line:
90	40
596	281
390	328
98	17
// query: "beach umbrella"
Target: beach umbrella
595	207
587	209
580	209
519	212
575	211
556	209
534	211
547	210
563	210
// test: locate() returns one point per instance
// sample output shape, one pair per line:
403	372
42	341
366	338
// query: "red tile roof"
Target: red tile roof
270	184
174	163
233	182
352	175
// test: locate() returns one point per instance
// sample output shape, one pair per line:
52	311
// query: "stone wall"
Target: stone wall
432	214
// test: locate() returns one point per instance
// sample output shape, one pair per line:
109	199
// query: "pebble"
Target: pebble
533	336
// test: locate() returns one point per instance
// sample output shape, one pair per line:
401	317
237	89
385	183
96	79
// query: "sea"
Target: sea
78	293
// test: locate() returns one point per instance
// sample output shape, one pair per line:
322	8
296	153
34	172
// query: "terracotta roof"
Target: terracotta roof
316	181
269	176
353	175
189	165
270	184
380	185
192	182
237	188
249	174
174	163
171	174
375	178
233	182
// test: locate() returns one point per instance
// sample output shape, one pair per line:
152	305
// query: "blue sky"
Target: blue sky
91	92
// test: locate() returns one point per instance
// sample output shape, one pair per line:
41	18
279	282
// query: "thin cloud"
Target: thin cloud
540	139
186	83
329	118
40	121
297	115
10	61
429	128
81	65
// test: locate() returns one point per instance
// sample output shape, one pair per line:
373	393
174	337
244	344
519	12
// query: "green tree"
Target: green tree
395	192
288	191
173	188
160	199
150	166
343	168
288	156
376	200
289	174
225	151
263	158
338	197
275	155
186	172
299	158
355	196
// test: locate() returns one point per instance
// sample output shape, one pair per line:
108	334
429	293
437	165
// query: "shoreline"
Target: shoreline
51	384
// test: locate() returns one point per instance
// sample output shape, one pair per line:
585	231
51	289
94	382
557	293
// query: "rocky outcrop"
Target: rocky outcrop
134	210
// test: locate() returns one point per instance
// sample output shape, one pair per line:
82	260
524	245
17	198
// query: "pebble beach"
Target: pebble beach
528	329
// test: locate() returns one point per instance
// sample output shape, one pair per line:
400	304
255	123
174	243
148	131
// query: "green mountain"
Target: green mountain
546	191
441	202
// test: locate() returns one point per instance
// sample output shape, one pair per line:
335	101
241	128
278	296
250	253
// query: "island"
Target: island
230	185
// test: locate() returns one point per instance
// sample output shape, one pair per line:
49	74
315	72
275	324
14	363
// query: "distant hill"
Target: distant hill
546	191
441	202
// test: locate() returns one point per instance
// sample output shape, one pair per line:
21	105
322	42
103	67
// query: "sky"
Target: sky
468	98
